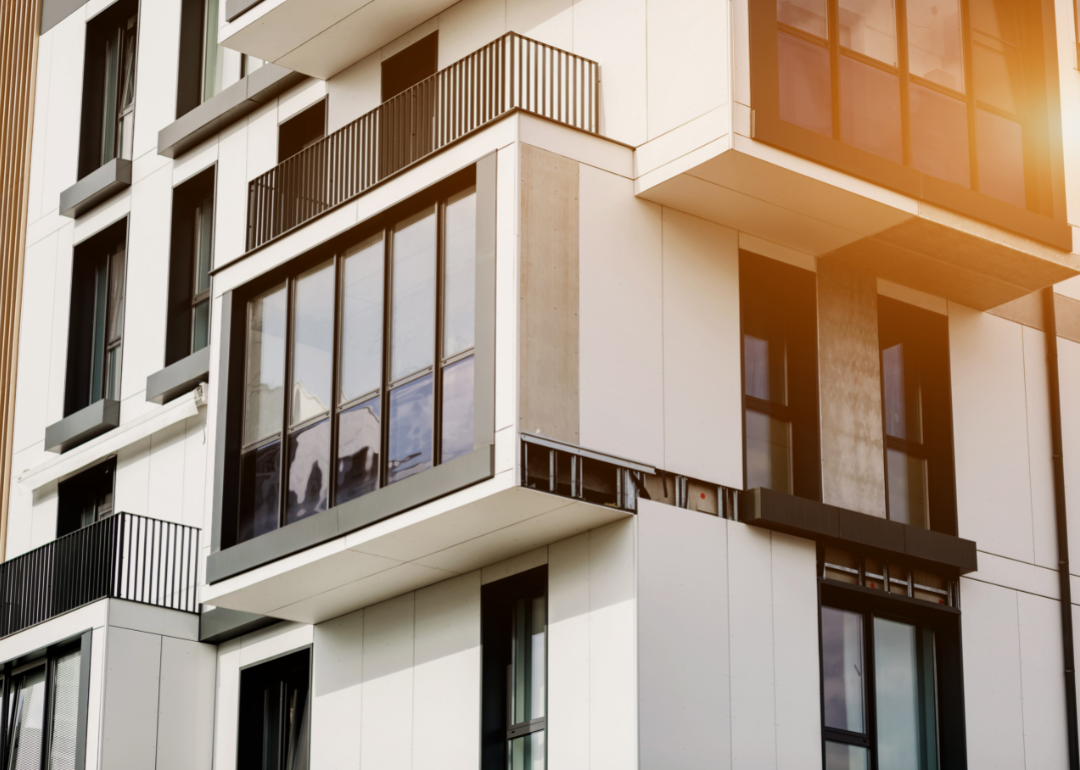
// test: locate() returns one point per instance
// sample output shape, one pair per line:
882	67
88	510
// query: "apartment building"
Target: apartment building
544	384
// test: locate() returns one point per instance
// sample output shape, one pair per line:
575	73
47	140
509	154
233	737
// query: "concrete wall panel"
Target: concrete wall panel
387	726
186	719
338	692
131	700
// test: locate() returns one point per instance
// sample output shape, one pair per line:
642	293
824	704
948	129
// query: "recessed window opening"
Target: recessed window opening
206	67
275	718
359	370
108	121
405	69
302	131
86	498
192	257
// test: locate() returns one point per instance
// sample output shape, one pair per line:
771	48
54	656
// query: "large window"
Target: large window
191	260
514	719
275	719
96	325
779	321
108	121
892	694
206	68
916	404
86	498
958	90
359	368
43	711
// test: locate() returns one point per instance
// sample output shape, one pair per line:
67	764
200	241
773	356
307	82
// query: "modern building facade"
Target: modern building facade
545	384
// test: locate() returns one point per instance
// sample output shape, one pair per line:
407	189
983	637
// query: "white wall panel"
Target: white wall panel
95	699
130	714
1040	454
354	92
993	695
753	697
337	686
613	647
468	26
702	348
41	127
506	287
568	654
167	472
796	662
228	705
185	733
262	149
621	317
274	641
446	677
196	472
1069	367
35	337
387	724
57	353
230	203
684	698
64	111
1041	665
549	21
993	482
687	61
156	77
133	479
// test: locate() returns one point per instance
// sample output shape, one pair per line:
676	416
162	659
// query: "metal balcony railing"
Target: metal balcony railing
122	557
511	73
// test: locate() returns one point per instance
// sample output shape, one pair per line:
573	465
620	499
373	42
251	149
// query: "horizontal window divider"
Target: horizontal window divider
347	405
781	411
458	357
913	448
526	728
260	442
881	596
409	378
846	736
309	422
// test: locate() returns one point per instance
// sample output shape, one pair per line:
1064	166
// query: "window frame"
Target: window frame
79	484
191	79
188	199
271	666
944	621
1045	222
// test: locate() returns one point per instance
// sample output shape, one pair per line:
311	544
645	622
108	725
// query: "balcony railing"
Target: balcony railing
511	73
122	557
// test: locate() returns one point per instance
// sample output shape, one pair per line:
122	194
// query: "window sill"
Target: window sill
417	490
235	102
86	424
810	519
95	188
234	8
179	378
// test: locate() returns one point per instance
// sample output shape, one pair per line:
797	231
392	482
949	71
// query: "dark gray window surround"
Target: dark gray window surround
55	11
234	8
95	188
828	524
396	498
235	102
220	625
82	426
179	378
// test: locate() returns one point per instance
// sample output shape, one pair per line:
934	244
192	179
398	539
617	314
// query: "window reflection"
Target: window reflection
265	365
805	84
934	42
413	296
457	420
842	665
869	27
362	319
309	471
359	439
768	452
1001	158
410	428
260	486
939	136
896	679
313	343
460	289
806	15
843	756
870	109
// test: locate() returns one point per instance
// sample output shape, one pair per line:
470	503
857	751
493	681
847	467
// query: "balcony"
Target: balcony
125	556
510	74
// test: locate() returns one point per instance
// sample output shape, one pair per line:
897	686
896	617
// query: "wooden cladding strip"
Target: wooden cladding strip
19	21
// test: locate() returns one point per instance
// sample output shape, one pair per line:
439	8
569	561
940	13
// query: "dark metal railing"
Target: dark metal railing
511	73
122	557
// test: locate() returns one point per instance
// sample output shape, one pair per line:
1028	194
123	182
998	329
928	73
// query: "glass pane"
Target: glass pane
840	756
870	109
204	244
907	489
997	72
359	443
768	452
939	136
28	721
903	410
934	47
113	359
260	486
869	27
766	369
313	343
897	696
97	355
265	365
309	471
362	319
410	428
457	415
115	324
414	295
842	669
213	54
996	18
460	288
527	752
200	336
1001	158
109	110
807	15
805	84
65	726
127	89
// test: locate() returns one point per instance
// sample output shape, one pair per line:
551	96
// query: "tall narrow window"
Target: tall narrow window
275	705
86	498
514	628
377	346
96	327
191	259
780	377
108	127
206	67
916	403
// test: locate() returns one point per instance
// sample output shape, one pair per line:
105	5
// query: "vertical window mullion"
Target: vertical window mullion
440	287
388	334
969	93
286	397
871	680
903	67
335	376
832	25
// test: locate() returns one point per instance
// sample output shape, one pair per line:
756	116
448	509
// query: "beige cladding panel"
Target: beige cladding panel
852	445
549	295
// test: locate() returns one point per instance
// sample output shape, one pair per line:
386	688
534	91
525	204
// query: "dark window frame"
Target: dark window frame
185	298
927	336
1045	222
296	134
335	250
944	621
90	481
762	279
271	669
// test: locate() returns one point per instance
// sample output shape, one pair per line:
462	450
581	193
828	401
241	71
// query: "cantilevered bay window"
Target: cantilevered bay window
359	368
